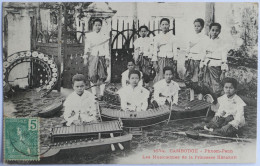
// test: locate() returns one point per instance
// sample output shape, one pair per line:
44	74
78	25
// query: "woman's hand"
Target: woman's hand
107	63
156	67
222	76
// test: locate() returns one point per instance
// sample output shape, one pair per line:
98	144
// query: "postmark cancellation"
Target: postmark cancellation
21	139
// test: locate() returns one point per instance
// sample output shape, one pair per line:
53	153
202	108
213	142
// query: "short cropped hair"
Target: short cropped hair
215	24
131	60
165	19
144	26
201	21
233	81
78	77
167	68
134	72
97	20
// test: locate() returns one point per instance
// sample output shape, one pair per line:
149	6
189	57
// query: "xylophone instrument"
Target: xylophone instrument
92	131
137	119
190	110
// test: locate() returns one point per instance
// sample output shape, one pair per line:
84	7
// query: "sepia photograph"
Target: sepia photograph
129	82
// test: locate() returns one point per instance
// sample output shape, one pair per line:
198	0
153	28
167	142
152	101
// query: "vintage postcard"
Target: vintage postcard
129	82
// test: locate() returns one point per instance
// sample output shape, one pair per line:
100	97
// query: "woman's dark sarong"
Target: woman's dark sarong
145	65
192	70
163	62
97	70
211	79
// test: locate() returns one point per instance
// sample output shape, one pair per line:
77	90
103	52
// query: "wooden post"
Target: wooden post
34	29
5	28
64	58
59	47
209	15
135	14
173	26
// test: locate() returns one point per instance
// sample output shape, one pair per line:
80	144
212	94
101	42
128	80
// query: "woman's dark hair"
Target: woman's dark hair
134	72
201	21
165	19
97	20
78	77
144	26
233	81
167	68
215	24
131	60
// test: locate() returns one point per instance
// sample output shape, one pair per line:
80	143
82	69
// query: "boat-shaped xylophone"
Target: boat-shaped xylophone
51	109
89	138
190	110
137	119
67	133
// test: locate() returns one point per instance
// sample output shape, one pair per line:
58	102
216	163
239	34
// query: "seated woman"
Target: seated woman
230	116
166	91
80	105
134	97
125	78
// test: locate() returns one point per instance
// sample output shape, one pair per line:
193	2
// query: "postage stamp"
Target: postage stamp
21	139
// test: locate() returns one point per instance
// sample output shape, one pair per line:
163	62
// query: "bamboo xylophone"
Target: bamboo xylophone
190	110
83	131
140	114
137	119
193	105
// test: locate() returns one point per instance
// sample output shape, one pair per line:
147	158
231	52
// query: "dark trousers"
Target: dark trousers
222	127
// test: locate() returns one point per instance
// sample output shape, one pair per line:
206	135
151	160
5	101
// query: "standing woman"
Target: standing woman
165	51
97	58
195	54
143	53
215	61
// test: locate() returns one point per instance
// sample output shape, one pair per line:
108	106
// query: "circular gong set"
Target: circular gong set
41	64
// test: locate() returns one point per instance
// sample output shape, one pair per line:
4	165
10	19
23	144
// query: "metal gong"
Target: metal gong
42	73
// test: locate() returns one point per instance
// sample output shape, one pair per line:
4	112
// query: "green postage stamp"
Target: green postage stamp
21	139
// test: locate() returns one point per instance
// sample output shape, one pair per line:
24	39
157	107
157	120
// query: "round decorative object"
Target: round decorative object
16	56
10	59
54	70
53	79
6	64
42	66
28	53
50	62
54	74
51	83
35	54
22	54
41	56
45	58
52	65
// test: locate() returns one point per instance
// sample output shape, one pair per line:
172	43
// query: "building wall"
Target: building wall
19	39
